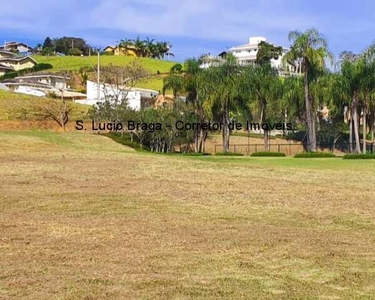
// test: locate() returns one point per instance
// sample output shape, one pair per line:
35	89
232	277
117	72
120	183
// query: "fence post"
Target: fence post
278	148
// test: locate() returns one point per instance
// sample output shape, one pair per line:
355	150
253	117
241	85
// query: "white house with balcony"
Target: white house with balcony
247	54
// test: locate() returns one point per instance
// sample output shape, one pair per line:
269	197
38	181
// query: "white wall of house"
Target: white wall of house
54	81
109	92
29	91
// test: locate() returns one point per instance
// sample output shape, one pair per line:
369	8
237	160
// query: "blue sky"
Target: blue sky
193	27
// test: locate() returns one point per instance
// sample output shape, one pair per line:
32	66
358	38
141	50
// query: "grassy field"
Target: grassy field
83	217
76	62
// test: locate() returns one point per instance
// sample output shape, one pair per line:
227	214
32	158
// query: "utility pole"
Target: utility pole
98	78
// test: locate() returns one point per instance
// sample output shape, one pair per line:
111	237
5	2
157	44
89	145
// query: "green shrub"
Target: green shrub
41	67
229	154
314	155
195	154
268	154
359	156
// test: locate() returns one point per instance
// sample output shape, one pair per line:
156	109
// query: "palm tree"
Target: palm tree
292	103
368	90
222	94
309	50
264	88
140	46
188	81
150	47
352	68
174	82
125	43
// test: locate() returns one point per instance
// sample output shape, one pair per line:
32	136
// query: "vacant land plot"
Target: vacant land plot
85	218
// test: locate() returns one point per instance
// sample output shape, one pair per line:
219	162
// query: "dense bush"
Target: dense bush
195	154
229	154
41	67
314	155
359	156
268	154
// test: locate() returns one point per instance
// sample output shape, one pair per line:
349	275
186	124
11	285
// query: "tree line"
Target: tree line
65	45
148	47
232	92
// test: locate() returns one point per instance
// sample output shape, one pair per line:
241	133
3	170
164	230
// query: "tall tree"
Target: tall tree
264	88
267	51
222	94
352	67
309	49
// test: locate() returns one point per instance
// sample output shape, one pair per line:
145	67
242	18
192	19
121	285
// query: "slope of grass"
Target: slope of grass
74	63
14	106
61	63
83	217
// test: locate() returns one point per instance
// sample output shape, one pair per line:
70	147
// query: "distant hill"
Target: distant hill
70	63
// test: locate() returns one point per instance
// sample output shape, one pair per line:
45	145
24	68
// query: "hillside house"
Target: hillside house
137	98
11	62
20	48
247	54
118	51
18	63
52	80
43	85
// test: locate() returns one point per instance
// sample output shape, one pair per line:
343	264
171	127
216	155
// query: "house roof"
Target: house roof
7	52
245	46
17	59
41	75
109	47
3	67
10	44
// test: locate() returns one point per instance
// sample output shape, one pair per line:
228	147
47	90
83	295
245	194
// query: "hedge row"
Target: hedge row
314	155
359	156
268	154
229	154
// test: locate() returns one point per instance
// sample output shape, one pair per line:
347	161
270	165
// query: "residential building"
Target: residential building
11	62
137	98
117	50
21	48
4	69
247	54
209	60
6	54
19	63
52	80
43	85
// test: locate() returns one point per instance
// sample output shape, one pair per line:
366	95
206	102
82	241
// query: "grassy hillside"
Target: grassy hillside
61	63
70	63
84	218
76	62
15	106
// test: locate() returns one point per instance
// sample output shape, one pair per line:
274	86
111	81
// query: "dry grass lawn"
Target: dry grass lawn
85	218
